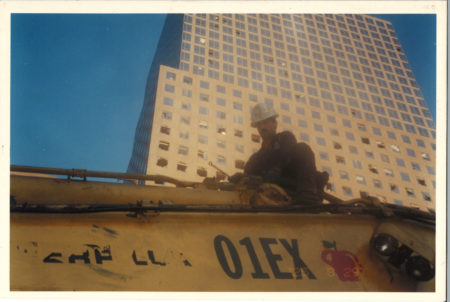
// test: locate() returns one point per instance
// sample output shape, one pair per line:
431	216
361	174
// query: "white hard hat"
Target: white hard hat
262	112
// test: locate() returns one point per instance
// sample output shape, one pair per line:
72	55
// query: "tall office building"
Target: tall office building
340	83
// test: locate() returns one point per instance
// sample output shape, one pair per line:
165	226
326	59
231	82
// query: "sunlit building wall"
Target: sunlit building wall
340	83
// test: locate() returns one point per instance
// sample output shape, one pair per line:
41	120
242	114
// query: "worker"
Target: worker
283	161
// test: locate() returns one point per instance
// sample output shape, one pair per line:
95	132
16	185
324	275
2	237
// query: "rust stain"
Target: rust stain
375	270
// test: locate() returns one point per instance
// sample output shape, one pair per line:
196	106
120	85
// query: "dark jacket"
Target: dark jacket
285	162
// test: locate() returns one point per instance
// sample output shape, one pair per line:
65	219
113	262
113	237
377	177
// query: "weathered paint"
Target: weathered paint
202	252
196	251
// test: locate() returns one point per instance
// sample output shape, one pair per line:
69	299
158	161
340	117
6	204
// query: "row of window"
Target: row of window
324	86
393	188
342	160
300	18
313	102
181	166
381	108
221	144
339	43
300	32
399	83
329	106
338	49
273	22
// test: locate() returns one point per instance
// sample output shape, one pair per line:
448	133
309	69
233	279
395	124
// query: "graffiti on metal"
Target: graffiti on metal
343	263
98	255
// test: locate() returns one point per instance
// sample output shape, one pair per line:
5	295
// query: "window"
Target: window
184	134
388	172
203	124
221	144
426	196
395	148
170	76
343	175
340	159
255	138
349	136
202	154
320	141
163	145
410	152
220	115
181	166
410	192
384	158
165	130
187	92
187	80
221	130
360	179
221	160
169	88
380	144
167	115
168	101
377	184
204	84
421	181
373	169
202	139
347	191
237	133
369	154
162	162
318	128
183	150
239	164
405	177
425	156
185	120
203	110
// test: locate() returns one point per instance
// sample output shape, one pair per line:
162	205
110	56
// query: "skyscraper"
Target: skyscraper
340	83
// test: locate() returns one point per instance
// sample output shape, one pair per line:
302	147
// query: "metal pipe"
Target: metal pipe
82	173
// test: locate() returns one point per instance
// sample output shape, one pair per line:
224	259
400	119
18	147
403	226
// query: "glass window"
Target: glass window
202	139
183	150
203	110
360	179
318	128
377	184
220	114
400	162
323	155
167	115
168	101
320	141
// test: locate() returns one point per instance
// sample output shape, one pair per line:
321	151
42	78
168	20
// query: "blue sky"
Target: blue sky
78	82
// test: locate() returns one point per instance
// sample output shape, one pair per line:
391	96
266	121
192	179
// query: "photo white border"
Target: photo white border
361	7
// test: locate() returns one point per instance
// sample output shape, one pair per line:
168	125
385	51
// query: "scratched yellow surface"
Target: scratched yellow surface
176	252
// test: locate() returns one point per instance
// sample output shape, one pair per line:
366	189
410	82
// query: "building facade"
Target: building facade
340	83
